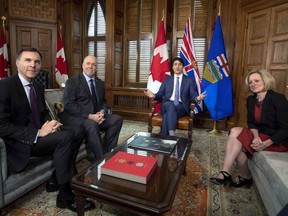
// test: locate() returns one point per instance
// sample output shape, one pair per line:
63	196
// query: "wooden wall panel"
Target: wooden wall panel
44	10
265	43
32	34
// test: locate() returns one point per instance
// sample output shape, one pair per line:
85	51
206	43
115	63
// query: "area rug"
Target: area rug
195	194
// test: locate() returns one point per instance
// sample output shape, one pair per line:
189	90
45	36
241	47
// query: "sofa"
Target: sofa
270	174
39	170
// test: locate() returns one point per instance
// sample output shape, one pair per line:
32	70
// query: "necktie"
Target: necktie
34	107
93	94
176	98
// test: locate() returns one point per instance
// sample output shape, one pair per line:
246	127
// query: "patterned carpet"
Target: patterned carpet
195	195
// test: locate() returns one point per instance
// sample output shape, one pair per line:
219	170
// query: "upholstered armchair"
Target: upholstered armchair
183	123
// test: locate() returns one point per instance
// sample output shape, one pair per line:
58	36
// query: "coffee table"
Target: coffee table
155	197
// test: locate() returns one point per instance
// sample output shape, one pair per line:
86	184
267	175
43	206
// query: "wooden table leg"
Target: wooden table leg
80	201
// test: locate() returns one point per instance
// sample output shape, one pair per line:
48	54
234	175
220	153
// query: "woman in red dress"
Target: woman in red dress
267	119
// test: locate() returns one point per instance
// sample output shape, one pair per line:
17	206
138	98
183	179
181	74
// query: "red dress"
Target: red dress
246	136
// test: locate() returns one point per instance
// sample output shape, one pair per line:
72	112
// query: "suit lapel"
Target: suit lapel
83	82
21	92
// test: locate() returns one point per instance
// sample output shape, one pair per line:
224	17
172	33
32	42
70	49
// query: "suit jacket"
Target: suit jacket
187	93
16	127
78	101
274	116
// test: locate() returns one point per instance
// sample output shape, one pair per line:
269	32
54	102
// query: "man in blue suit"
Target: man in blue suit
176	92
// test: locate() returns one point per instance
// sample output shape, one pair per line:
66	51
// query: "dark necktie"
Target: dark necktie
176	98
34	107
93	94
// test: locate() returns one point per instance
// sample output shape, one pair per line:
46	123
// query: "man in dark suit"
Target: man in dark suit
28	131
176	97
85	106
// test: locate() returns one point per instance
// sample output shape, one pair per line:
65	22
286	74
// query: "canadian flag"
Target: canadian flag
4	66
160	64
61	71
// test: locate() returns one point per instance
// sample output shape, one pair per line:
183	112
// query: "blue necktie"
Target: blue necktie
34	107
93	93
176	98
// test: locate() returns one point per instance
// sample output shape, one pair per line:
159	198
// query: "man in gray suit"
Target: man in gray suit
85	105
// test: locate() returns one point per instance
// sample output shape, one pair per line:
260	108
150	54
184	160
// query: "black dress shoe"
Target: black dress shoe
52	186
225	181
71	204
242	182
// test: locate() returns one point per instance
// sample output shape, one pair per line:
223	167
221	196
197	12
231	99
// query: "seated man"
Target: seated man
177	92
85	106
28	131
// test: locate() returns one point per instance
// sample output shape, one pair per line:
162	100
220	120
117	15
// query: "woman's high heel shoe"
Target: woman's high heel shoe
242	182
226	180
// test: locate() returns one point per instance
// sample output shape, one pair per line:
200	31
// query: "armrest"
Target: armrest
192	110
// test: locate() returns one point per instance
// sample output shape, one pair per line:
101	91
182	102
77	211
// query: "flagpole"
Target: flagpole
215	131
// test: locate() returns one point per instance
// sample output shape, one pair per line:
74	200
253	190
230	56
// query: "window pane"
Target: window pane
96	43
101	53
101	27
91	46
132	61
91	26
145	60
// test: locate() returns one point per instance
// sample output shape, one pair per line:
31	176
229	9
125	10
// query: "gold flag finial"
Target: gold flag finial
3	20
219	8
163	14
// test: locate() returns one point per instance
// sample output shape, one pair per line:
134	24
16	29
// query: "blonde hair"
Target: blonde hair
268	79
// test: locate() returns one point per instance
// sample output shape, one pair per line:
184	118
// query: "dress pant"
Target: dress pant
64	146
170	115
111	127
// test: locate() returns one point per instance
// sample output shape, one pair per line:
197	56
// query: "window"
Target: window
138	42
95	34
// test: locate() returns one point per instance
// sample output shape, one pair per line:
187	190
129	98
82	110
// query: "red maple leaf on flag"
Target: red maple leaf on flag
157	67
61	71
61	65
4	66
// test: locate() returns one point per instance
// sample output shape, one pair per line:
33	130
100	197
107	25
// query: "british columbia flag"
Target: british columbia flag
187	53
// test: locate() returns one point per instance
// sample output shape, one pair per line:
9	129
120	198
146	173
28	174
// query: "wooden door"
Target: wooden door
266	46
38	35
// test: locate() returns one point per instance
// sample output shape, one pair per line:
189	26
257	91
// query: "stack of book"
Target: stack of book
131	167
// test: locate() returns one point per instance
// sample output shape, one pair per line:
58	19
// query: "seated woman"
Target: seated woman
267	118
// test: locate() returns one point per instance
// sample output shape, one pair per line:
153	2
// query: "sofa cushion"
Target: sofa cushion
54	102
274	167
3	160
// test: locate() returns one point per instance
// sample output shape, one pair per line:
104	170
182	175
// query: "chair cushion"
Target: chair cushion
182	123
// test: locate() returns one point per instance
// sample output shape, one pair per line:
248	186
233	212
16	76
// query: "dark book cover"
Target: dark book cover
154	144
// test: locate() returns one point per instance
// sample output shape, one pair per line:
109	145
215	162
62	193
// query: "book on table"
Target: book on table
156	144
131	167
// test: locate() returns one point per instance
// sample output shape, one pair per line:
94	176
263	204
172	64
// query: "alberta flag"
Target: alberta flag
216	79
187	53
159	65
61	71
